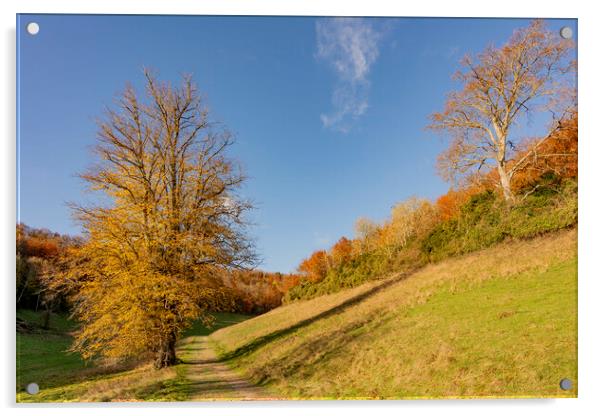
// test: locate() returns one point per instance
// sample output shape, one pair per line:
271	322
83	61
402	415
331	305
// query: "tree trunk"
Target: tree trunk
46	318
505	184
166	356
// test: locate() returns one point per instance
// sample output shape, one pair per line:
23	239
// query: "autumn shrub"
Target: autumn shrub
360	269
315	267
304	290
545	210
476	226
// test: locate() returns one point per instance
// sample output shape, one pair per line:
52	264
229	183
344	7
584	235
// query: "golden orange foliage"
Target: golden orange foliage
448	205
367	235
341	251
152	259
40	247
556	153
256	291
408	219
315	267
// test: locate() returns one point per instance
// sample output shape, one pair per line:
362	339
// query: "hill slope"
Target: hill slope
499	322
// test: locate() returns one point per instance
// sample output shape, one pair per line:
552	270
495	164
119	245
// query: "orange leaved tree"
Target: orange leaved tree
315	267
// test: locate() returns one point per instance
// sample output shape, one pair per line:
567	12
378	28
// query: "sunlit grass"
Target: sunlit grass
42	358
499	322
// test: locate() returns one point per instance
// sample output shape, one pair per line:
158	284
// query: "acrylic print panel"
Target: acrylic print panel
234	208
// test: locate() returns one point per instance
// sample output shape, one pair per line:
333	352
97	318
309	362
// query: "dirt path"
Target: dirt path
212	380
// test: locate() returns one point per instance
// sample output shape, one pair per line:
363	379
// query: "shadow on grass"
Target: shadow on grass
182	390
265	339
301	361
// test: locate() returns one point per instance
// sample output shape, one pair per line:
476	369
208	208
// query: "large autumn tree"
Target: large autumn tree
172	224
499	88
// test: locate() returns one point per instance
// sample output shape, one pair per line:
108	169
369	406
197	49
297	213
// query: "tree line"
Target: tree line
41	253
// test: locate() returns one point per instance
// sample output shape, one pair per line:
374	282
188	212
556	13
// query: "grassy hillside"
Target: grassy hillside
42	358
501	321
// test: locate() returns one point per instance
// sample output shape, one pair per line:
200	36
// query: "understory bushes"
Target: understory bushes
484	220
358	270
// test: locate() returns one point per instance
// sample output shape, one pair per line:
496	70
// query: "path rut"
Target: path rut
211	379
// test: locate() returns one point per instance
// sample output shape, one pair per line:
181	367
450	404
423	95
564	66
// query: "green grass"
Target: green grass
58	322
501	322
222	320
42	358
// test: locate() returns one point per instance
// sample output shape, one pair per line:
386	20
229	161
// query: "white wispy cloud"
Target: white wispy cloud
350	46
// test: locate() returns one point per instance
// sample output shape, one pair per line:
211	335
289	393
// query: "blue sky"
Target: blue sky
329	114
